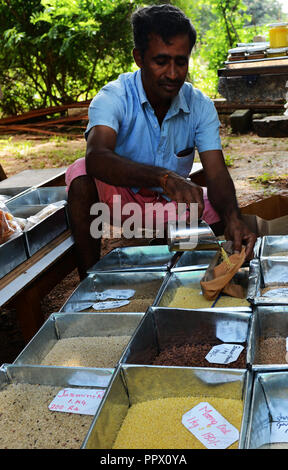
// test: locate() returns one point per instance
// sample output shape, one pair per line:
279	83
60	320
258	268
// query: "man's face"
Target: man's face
164	67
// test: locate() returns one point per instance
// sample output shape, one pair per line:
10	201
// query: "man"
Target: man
142	133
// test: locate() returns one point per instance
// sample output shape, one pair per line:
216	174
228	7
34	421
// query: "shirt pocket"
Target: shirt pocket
183	161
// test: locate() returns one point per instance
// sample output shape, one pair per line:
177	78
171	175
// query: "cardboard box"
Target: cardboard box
267	217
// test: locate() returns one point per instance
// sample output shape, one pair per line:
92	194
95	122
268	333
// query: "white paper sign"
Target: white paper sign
210	427
110	304
83	401
116	294
279	429
224	353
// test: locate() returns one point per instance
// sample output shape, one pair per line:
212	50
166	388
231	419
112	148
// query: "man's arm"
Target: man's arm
103	163
222	195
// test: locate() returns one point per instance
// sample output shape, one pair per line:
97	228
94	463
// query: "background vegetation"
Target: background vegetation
61	51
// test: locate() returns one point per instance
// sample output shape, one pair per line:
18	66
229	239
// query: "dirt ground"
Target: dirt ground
258	166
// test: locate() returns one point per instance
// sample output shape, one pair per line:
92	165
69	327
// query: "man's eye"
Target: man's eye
181	62
160	61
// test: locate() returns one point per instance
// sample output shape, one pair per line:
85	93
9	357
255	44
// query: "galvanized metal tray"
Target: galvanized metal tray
269	325
194	260
12	254
163	328
11	193
147	287
70	377
260	291
137	258
267	426
192	280
66	325
47	229
274	259
133	384
41	196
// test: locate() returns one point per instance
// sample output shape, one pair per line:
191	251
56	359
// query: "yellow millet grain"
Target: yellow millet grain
227	301
98	351
192	297
156	424
189	297
27	423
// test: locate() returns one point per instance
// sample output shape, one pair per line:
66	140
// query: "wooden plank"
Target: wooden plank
29	129
28	302
228	106
43	111
273	70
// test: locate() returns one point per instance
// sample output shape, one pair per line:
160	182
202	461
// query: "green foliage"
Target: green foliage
62	50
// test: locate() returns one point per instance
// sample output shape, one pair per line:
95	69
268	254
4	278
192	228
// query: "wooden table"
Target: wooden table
27	284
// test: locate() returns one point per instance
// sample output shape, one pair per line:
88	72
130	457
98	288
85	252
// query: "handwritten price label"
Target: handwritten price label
110	304
116	294
224	353
279	428
210	427
83	401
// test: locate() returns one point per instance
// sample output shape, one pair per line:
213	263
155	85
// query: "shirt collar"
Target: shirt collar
179	102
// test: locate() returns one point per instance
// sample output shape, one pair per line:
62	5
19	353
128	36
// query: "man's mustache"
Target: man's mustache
170	82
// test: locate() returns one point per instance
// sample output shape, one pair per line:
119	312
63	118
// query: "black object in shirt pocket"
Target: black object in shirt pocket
185	153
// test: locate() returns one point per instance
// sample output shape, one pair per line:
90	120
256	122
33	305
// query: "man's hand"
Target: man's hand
179	189
237	231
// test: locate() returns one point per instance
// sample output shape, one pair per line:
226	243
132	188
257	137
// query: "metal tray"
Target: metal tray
162	328
84	295
61	376
133	384
48	229
278	274
136	258
42	196
268	416
267	322
11	193
192	279
274	259
12	254
193	260
59	326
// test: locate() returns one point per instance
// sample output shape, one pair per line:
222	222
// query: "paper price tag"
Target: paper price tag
77	400
210	427
224	353
279	429
110	304
116	294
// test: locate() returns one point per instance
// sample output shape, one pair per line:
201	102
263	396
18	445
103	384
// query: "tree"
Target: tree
60	51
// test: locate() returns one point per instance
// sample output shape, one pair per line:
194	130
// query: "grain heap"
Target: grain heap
156	424
193	355
192	297
271	351
27	423
143	298
98	351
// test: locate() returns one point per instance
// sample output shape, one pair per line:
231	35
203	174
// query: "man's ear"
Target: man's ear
137	57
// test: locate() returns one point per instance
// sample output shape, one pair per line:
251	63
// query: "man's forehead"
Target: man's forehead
160	45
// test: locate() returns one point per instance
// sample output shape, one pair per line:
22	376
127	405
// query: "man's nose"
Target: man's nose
171	71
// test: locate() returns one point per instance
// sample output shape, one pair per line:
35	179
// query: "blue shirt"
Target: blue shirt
191	122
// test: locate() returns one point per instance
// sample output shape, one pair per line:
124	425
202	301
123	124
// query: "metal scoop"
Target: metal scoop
189	238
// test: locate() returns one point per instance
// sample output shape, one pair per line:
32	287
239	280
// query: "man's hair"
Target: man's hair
166	21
